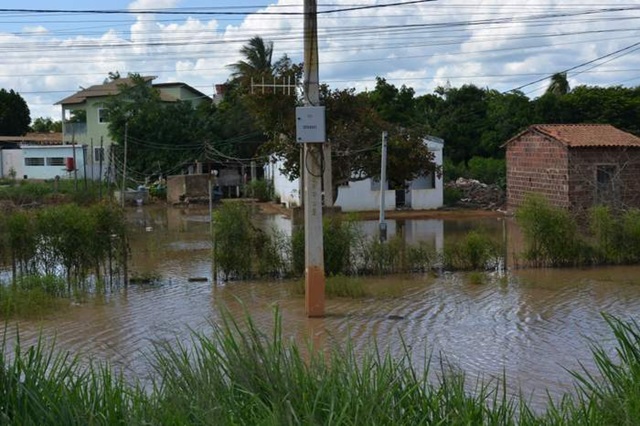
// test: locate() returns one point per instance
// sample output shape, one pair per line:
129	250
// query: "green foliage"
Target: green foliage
40	386
451	195
611	394
631	232
339	240
46	125
553	239
338	286
260	378
233	235
261	189
52	192
378	257
453	171
476	251
488	170
67	239
421	257
161	136
461	121
607	234
255	376
32	296
243	251
484	169
339	237
551	234
14	114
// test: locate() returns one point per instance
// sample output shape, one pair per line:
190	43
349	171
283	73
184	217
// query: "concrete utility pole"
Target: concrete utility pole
124	167
312	170
383	180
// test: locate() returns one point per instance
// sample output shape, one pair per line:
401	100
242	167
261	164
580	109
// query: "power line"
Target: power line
177	11
577	66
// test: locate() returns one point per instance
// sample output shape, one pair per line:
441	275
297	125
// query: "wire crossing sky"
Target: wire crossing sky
52	48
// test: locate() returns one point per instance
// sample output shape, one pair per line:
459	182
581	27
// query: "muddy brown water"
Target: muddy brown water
532	325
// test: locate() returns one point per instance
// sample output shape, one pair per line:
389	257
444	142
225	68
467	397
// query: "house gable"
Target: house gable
536	164
574	166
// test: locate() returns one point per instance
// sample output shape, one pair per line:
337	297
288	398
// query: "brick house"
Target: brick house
574	166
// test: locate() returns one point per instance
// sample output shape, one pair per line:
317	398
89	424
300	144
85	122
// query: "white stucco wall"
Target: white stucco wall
426	199
358	196
288	190
12	159
51	171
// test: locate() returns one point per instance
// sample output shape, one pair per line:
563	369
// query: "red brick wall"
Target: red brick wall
536	164
626	183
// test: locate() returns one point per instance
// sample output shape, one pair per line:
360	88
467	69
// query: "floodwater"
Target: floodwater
531	325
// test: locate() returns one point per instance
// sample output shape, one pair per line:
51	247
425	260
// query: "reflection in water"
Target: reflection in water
531	325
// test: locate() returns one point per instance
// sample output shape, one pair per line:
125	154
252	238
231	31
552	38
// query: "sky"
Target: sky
53	48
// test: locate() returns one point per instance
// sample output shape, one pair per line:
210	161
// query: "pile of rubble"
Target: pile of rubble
478	195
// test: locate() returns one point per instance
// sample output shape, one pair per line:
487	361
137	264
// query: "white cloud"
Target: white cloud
153	4
420	45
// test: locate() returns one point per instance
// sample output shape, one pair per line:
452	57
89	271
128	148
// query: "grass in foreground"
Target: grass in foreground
241	375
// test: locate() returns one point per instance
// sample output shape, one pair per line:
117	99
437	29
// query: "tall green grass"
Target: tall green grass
21	192
554	237
248	374
243	251
245	376
32	296
39	386
67	240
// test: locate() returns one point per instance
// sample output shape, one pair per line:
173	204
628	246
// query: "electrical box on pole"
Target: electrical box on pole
310	124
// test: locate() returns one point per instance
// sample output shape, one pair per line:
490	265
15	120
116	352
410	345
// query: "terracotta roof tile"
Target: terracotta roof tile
587	135
100	90
35	138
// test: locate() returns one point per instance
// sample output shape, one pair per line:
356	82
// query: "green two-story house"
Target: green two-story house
85	118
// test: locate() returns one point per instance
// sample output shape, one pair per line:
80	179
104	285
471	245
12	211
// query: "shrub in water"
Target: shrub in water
550	233
607	235
243	251
261	189
233	240
32	296
340	238
475	251
631	232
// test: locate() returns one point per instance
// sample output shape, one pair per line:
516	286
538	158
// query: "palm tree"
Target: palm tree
559	85
256	63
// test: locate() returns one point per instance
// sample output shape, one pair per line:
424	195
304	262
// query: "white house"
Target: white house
43	161
423	193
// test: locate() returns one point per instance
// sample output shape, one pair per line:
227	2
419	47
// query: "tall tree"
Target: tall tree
462	119
46	125
559	84
395	105
354	129
14	114
162	135
256	63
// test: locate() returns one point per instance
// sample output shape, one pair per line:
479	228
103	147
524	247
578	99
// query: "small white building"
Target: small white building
43	161
423	193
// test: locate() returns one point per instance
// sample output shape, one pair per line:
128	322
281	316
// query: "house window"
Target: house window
98	154
431	180
55	161
34	161
605	178
103	115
